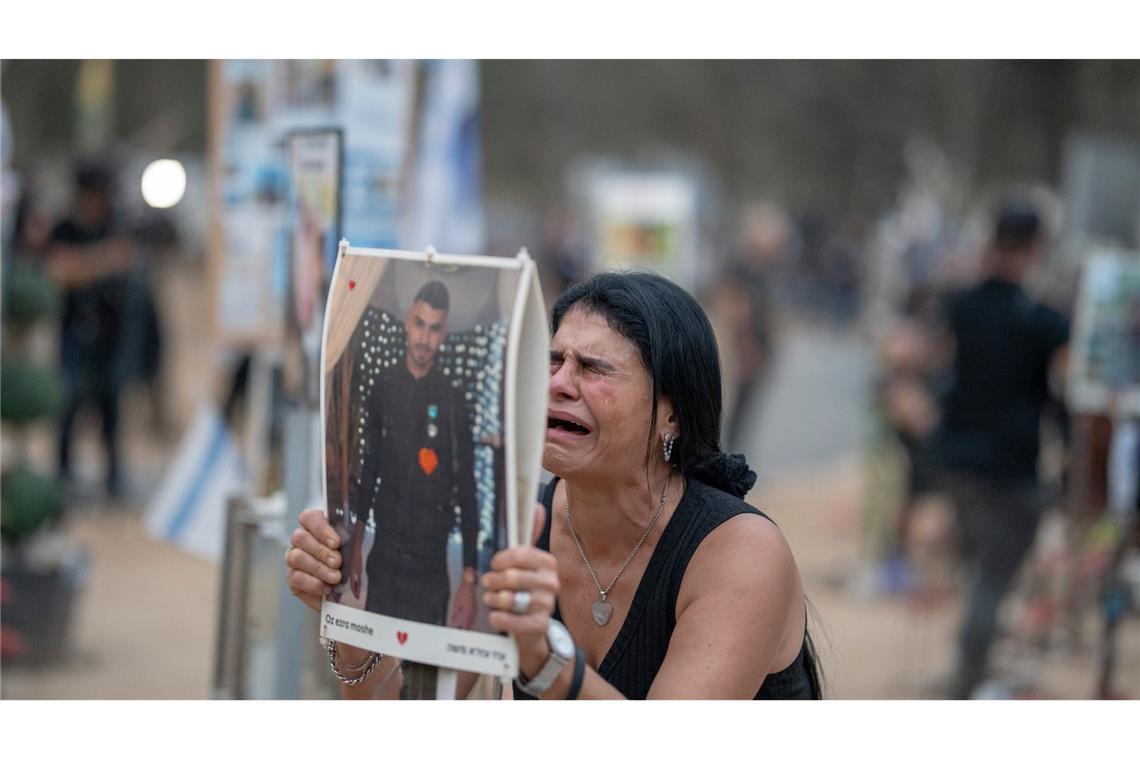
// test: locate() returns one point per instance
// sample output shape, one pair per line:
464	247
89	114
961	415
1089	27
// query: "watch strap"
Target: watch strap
556	637
545	676
579	673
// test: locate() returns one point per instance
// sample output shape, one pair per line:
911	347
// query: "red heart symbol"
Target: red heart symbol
401	637
351	284
428	461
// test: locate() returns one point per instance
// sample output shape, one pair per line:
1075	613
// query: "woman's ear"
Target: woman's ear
666	417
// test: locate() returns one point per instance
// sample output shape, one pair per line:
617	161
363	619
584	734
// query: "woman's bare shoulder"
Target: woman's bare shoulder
744	551
748	540
744	575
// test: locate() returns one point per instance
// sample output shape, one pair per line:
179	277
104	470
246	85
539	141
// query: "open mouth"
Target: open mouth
565	425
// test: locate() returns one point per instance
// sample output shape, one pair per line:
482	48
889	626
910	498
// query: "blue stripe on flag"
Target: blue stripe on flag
190	501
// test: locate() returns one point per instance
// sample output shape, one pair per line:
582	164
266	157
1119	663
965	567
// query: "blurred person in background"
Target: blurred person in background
746	302
842	252
562	256
1006	348
909	530
30	229
156	239
913	356
89	254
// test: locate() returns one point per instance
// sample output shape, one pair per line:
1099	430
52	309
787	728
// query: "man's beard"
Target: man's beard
422	356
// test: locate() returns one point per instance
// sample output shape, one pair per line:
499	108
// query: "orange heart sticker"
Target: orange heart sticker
428	461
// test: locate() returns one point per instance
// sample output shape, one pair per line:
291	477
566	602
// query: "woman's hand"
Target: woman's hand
313	561
355	572
523	568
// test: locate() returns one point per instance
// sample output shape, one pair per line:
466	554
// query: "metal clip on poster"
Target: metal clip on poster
433	399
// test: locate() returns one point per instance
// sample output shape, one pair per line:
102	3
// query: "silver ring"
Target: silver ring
522	603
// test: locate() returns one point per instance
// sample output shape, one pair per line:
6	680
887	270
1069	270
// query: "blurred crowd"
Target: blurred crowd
971	364
102	263
968	415
999	498
968	406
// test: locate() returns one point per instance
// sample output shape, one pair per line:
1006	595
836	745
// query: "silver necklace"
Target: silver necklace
603	609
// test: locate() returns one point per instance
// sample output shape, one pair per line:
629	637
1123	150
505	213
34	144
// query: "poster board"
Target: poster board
1104	366
645	219
433	399
254	106
246	240
316	159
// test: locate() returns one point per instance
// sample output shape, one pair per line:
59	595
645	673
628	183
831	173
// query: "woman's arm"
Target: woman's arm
313	565
593	685
740	615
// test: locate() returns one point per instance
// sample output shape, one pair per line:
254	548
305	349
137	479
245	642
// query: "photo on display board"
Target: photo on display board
418	448
315	161
645	219
310	83
1105	365
251	184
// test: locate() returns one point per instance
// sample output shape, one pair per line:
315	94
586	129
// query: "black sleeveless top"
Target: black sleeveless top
637	653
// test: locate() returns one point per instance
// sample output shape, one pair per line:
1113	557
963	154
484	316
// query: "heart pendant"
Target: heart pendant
601	612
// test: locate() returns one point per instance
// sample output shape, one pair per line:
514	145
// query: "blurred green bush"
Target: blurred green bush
29	296
27	500
28	392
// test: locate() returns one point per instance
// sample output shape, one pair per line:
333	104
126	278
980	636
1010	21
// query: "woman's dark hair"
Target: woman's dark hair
678	348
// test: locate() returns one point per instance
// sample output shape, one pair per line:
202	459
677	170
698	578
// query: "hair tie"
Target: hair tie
726	472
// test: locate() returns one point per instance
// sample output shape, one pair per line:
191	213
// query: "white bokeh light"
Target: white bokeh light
163	183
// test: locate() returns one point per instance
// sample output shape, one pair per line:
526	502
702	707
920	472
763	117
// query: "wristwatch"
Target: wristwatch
561	652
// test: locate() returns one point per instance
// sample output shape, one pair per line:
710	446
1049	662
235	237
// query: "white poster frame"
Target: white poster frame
525	380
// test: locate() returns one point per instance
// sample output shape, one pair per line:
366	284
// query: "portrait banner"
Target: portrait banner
315	172
434	370
1104	369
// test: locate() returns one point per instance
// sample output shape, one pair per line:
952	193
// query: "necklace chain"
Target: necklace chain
604	592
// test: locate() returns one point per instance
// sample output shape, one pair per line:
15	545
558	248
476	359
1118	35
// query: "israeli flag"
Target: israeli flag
189	509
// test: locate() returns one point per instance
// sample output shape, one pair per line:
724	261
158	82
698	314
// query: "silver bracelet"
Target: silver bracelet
368	665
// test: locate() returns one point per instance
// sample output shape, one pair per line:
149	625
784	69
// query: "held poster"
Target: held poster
434	372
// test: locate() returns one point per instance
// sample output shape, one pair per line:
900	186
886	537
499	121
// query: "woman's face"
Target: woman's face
600	400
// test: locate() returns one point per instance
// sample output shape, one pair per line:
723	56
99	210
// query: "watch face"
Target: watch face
559	639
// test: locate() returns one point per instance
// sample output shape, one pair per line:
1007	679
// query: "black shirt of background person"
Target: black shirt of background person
992	413
92	314
414	501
